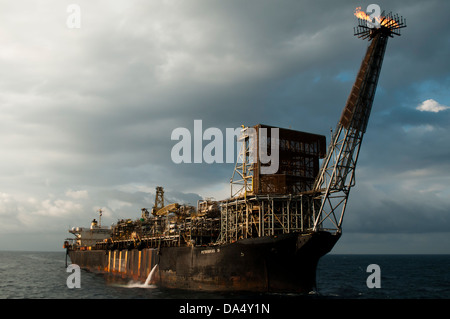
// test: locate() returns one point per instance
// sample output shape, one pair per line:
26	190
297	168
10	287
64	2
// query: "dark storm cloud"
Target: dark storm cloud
93	109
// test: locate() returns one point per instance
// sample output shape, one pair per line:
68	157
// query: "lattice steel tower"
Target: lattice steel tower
337	173
159	200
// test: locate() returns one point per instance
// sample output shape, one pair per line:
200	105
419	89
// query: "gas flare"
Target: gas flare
383	21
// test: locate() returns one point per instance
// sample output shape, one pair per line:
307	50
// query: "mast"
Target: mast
337	174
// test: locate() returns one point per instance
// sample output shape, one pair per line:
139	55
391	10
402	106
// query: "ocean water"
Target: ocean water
402	276
43	275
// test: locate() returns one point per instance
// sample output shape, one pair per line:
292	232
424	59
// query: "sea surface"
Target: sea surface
43	275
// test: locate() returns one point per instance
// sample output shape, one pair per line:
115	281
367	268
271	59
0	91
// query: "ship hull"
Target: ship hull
284	263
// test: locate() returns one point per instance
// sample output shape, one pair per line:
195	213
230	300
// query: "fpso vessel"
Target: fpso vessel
269	235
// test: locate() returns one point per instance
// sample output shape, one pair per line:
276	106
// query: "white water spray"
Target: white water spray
147	281
150	275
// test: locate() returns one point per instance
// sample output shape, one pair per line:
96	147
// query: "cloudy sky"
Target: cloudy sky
87	113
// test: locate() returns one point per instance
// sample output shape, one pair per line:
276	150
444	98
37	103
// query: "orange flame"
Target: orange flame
361	14
384	21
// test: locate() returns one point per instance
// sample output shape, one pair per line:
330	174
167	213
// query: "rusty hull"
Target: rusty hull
284	263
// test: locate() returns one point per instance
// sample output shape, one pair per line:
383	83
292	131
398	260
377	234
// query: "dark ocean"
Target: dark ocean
42	275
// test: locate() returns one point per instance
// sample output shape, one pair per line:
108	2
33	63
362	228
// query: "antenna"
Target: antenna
100	212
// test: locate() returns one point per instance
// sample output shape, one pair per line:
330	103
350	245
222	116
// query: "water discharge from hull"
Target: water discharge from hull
150	275
146	284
